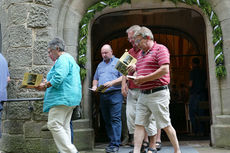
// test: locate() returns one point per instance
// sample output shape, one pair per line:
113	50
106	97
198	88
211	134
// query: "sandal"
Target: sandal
152	150
158	145
143	149
145	144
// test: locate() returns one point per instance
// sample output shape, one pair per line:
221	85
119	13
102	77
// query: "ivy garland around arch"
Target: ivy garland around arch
203	4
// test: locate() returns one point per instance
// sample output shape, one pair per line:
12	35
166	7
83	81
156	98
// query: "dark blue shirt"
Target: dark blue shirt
198	78
107	72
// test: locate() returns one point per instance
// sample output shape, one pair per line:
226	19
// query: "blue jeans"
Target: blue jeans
110	105
71	129
194	110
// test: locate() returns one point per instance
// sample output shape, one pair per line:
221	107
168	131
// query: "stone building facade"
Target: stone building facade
27	26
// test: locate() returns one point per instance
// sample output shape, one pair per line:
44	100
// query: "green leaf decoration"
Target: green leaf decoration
204	5
220	71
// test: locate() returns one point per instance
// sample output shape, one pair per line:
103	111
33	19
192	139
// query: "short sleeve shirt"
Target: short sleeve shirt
107	72
149	62
135	54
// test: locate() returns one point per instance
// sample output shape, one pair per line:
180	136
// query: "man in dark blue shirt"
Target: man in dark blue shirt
111	99
197	85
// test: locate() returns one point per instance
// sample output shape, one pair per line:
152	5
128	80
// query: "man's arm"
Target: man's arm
94	87
113	82
124	87
164	69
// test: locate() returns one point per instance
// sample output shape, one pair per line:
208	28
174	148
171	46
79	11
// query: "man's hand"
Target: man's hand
131	68
124	90
139	80
108	84
94	88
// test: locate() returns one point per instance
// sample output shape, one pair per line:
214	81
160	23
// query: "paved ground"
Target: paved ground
186	147
201	146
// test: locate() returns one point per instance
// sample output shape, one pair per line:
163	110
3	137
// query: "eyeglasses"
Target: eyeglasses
49	51
137	41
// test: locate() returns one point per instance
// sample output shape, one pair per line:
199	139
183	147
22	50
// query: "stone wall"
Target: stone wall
27	26
25	36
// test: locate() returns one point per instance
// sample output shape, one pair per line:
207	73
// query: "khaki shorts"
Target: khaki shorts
156	104
131	113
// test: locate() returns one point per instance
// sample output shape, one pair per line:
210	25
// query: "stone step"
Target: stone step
220	135
84	139
223	120
81	124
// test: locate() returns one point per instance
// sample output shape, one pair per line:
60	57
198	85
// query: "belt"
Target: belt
110	91
149	91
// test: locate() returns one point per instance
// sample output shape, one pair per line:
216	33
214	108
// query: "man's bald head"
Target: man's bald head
106	52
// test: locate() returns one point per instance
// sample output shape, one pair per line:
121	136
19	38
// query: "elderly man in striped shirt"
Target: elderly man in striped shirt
152	77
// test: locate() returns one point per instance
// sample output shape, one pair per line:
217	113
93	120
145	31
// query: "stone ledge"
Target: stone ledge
84	139
81	124
220	135
223	120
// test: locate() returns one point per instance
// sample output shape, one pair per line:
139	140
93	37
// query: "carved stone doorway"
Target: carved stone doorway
181	30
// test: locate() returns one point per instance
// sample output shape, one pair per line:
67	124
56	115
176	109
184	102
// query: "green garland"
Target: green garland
203	4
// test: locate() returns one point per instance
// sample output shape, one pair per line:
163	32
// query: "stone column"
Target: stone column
221	108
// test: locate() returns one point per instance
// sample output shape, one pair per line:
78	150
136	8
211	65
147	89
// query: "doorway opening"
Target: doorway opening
182	31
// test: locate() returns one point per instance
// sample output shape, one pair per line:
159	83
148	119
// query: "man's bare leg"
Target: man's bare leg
139	134
152	142
158	139
170	131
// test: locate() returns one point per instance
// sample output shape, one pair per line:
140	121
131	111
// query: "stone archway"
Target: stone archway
184	27
216	96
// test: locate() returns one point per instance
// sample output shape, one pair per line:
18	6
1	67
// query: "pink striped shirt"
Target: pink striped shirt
135	54
150	62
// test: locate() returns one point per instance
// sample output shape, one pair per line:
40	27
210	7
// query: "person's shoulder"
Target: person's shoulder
114	59
161	46
131	50
100	64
